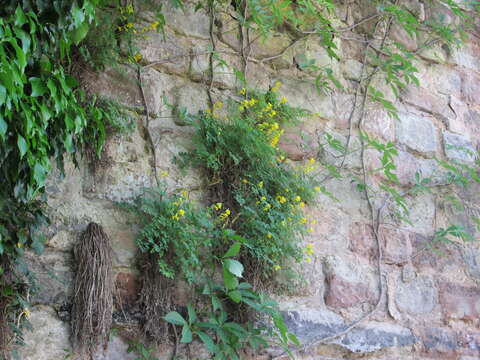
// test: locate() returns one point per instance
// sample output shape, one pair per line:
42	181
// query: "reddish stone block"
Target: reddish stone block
460	302
361	241
128	287
341	293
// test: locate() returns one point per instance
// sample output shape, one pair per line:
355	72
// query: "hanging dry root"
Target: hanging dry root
93	292
155	298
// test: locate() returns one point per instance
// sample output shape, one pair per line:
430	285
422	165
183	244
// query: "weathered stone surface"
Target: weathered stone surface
370	337
351	69
49	338
361	240
54	273
397	246
416	297
429	102
471	88
377	123
341	293
62	241
467	120
460	302
458	147
439	340
417	133
471	256
128	287
187	21
116	350
170	53
467	56
374	336
347	284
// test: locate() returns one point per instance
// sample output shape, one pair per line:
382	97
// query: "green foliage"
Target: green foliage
174	230
251	180
213	325
43	116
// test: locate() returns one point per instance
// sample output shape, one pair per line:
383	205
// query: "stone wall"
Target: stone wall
430	304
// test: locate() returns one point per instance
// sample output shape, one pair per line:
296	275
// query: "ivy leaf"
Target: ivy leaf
38	88
174	317
3	95
22	145
3	127
234	266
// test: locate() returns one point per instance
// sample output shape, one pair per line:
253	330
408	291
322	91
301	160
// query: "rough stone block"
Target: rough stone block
429	102
416	297
49	338
361	241
341	293
460	302
471	87
417	133
458	147
377	123
372	336
397	246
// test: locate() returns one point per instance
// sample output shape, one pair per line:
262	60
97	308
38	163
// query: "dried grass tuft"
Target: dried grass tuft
93	291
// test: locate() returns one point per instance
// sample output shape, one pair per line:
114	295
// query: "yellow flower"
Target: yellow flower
181	212
303	221
243	91
314	221
317	188
311	160
268	107
302	204
283	100
281	199
287	190
218	206
309	230
184	194
297	198
218	105
272	113
276	86
263	198
309	249
277	267
267	207
175	217
284	223
27	313
308	259
269	235
164	173
137	57
227	212
245	181
260	184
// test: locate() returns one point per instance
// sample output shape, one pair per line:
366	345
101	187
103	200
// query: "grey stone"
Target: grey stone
439	339
418	296
458	147
116	350
374	336
49	338
53	271
351	69
417	133
367	338
472	260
